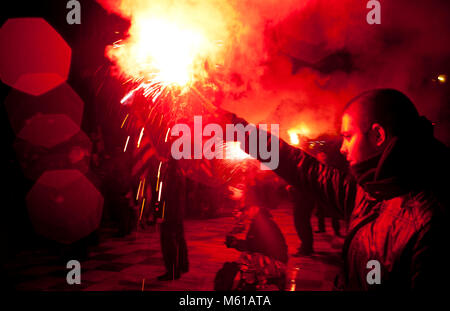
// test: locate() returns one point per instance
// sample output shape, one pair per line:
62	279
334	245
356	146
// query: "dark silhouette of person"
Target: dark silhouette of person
304	205
322	210
173	243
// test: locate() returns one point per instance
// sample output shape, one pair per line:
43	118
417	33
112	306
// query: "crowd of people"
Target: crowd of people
391	195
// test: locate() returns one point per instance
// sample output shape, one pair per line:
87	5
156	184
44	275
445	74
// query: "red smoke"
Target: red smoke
293	62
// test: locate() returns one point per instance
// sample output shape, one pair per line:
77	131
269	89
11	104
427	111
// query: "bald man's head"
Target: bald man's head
392	109
371	119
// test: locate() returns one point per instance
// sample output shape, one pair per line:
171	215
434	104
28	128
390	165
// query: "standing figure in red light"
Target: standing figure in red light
394	198
304	204
173	242
321	211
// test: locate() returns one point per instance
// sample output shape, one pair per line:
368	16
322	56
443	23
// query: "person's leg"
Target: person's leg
183	262
336	226
302	221
320	212
169	250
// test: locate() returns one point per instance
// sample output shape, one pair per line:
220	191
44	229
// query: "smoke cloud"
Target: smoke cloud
297	63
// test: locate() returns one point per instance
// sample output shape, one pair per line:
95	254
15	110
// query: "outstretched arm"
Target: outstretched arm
335	188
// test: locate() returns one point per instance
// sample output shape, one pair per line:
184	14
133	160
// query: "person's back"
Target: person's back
264	254
265	237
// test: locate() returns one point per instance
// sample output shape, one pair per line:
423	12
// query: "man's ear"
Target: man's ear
379	134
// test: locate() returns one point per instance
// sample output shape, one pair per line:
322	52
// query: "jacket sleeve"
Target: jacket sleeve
335	188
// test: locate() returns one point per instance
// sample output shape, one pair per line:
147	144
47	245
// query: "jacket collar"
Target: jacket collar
385	175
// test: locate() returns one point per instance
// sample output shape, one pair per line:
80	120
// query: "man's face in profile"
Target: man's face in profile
356	146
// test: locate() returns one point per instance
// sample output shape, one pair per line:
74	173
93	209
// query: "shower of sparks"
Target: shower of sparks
172	50
172	45
128	96
151	89
161	61
170	63
163	54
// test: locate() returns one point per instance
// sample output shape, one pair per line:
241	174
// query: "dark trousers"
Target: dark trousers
302	222
174	248
336	225
320	213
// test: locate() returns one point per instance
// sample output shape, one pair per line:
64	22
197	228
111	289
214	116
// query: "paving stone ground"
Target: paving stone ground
132	263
